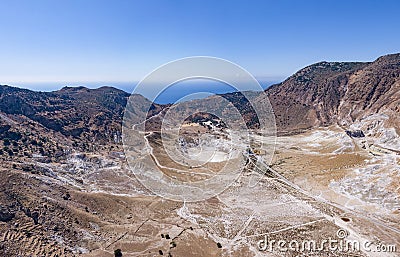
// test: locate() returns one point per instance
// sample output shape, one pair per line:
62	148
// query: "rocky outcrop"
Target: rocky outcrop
6	215
356	133
338	92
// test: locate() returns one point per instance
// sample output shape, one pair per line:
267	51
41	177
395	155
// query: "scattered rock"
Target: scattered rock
5	214
67	196
35	217
356	133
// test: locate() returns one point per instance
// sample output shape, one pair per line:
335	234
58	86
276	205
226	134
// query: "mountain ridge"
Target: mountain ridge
317	100
320	94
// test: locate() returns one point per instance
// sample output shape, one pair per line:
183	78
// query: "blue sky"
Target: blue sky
122	41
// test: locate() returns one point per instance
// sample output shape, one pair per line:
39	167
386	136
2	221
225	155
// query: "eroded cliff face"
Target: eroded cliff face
329	93
311	97
374	89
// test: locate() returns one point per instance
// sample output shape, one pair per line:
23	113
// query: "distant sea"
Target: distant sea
173	93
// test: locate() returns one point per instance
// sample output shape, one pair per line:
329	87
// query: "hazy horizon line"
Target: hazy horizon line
57	85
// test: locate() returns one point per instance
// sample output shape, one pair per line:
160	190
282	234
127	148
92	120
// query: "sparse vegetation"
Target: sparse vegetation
6	142
117	253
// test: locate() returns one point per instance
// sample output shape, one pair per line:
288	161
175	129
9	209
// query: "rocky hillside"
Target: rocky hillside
337	92
321	94
374	89
92	114
311	96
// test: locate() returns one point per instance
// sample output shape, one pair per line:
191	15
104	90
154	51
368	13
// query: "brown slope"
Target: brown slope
311	96
93	115
331	92
374	89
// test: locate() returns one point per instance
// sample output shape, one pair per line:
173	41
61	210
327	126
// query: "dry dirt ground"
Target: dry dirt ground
317	183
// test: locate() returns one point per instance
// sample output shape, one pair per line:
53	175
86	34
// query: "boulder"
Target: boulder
5	214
